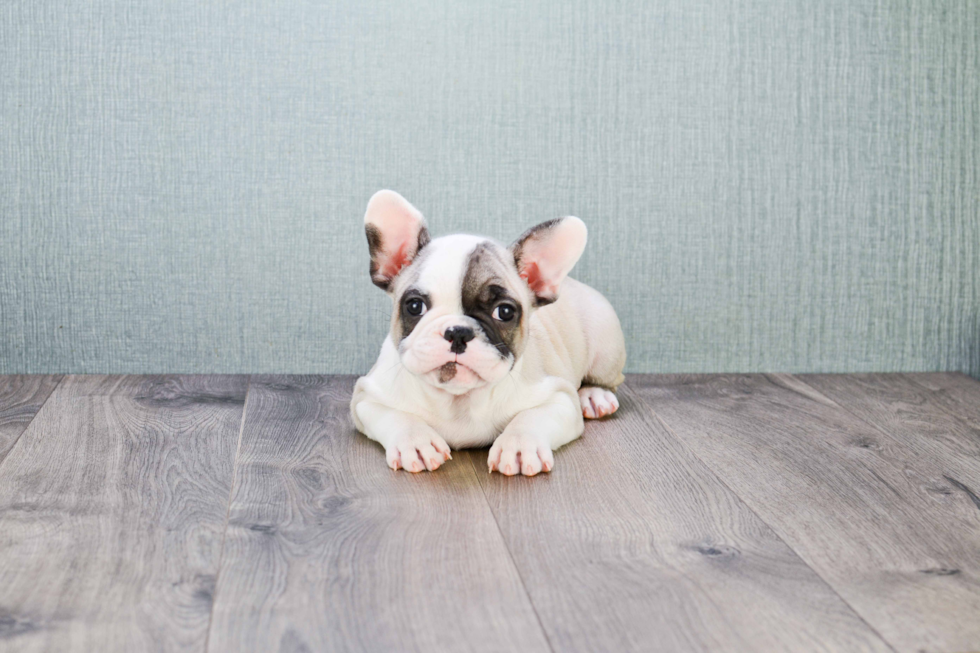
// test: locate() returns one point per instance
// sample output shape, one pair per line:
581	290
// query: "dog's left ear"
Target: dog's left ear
545	254
396	232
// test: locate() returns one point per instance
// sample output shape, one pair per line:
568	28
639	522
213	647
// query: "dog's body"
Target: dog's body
487	344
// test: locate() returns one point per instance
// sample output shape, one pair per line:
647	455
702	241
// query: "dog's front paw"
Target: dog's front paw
416	451
515	453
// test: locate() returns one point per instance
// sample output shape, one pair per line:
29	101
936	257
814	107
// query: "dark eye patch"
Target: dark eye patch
482	292
406	320
499	334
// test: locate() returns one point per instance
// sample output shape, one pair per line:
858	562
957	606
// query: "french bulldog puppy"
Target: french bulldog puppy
487	344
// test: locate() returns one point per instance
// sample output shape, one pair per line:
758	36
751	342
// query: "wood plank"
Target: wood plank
112	508
329	550
21	396
631	543
954	391
876	520
910	413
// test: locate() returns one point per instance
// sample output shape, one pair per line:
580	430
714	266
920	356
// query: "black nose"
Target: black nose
459	336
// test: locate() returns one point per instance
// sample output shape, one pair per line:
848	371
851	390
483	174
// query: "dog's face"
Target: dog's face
462	304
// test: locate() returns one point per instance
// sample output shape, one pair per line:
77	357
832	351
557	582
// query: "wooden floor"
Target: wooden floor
721	513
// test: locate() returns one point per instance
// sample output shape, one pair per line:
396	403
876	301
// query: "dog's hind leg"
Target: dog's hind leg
597	402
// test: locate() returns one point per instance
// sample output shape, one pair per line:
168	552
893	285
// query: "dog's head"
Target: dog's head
462	304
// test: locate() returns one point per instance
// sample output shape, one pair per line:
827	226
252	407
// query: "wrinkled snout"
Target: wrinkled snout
452	352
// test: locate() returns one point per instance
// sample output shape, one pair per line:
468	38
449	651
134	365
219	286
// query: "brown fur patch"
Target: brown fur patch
447	372
483	289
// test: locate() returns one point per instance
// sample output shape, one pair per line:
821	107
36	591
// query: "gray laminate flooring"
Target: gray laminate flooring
719	512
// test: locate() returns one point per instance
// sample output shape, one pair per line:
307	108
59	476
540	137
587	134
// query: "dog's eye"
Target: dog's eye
504	313
415	306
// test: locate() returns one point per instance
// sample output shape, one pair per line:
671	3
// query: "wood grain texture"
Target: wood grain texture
112	508
877	520
632	544
917	417
954	391
21	396
327	549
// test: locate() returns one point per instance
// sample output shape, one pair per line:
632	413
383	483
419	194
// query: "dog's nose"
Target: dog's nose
459	336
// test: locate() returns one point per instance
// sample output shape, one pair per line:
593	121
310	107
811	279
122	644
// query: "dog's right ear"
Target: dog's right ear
396	232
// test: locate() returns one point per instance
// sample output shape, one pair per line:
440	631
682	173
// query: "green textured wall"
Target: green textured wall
769	185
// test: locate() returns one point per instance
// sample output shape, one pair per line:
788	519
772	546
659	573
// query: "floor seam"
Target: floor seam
642	402
510	555
224	532
20	435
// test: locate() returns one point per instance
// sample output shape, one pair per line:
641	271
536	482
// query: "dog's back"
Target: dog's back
579	338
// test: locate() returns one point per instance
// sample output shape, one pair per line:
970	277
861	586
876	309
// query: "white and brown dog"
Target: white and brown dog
487	344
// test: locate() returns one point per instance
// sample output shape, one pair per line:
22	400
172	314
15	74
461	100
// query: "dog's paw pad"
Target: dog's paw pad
417	453
597	402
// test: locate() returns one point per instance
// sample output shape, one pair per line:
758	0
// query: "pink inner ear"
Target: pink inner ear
394	263
399	226
532	275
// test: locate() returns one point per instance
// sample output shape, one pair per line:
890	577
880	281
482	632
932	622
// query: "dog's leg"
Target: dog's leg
597	402
409	443
526	445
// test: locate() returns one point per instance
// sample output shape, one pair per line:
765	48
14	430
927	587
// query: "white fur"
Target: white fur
525	407
425	350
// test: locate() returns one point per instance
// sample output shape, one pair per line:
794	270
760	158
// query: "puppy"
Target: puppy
487	344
